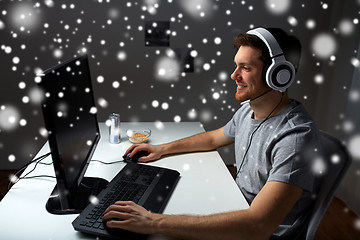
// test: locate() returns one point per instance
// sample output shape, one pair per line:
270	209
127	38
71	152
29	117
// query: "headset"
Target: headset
279	73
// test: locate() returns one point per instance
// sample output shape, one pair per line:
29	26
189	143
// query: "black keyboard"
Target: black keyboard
145	185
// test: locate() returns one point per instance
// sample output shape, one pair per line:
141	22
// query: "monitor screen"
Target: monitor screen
73	132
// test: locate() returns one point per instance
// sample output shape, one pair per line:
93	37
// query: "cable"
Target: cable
37	160
107	163
34	160
39	176
252	134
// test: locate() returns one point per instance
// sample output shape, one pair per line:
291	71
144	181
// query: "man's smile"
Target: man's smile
241	86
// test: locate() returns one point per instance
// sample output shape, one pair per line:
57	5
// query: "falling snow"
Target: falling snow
94	200
354	143
324	45
178	69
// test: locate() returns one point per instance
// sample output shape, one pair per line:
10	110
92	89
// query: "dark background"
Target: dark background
169	60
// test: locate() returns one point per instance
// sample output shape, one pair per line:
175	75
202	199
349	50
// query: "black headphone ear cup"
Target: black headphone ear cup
280	75
265	68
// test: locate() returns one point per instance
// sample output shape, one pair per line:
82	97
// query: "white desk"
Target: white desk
205	186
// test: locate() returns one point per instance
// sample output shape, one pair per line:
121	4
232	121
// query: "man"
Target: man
271	133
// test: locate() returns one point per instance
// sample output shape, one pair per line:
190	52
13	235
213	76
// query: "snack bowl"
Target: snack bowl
138	135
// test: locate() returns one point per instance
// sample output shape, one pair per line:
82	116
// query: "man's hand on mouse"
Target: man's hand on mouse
153	150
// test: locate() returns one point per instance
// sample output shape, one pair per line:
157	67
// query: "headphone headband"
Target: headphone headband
268	39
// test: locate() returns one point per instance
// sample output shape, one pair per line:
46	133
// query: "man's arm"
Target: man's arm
205	141
259	221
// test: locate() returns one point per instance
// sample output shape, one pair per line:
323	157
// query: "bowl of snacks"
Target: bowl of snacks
138	135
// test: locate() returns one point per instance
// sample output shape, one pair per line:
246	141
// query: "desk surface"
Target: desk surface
205	186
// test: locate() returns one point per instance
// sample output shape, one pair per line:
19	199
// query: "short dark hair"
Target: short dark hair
290	45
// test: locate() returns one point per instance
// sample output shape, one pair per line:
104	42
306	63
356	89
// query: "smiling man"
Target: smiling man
270	134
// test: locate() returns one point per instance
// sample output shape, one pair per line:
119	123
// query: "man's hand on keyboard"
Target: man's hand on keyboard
129	216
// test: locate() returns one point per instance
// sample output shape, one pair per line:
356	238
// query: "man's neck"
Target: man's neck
264	106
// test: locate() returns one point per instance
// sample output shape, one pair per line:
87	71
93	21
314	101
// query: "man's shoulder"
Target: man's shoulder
297	115
296	124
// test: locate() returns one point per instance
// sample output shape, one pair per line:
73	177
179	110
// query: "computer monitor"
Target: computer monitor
73	133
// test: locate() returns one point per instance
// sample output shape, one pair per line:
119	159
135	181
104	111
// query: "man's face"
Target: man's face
248	73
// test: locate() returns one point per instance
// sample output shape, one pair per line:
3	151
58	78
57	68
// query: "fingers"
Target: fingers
133	149
154	152
147	158
122	214
129	216
130	149
119	211
120	206
137	147
116	224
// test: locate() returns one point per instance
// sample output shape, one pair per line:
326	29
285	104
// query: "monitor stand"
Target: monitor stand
89	187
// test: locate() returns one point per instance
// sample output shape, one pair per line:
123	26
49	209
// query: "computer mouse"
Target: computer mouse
136	157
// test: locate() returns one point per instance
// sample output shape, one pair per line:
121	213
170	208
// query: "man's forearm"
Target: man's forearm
195	143
232	225
205	141
241	224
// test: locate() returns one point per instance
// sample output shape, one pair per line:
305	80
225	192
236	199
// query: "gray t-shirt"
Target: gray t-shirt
279	151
